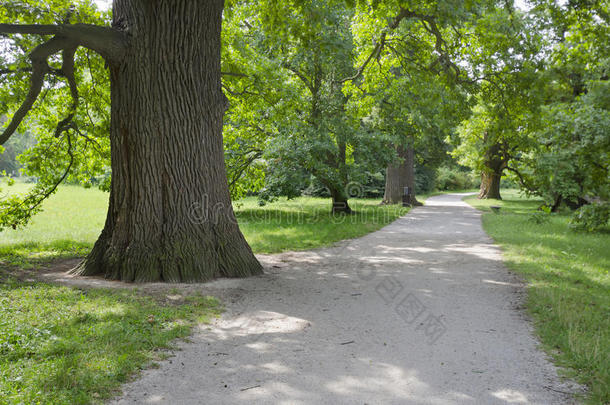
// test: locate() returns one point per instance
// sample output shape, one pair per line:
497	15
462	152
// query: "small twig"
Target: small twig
559	391
11	71
249	388
347	343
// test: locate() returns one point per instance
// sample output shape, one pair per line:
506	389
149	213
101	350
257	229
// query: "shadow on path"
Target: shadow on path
420	312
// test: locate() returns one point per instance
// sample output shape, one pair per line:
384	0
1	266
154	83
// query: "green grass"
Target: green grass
306	222
568	285
72	219
61	345
73	214
69	225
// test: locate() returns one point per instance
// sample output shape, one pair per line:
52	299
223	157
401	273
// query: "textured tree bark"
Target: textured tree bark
401	176
170	216
491	176
490	185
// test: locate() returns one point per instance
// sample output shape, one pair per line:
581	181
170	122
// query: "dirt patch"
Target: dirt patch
58	272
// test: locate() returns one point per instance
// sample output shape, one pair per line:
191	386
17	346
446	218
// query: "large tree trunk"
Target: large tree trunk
490	185
170	216
491	176
401	176
340	205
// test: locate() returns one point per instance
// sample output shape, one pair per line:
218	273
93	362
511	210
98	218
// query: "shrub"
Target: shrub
454	179
591	217
424	179
542	216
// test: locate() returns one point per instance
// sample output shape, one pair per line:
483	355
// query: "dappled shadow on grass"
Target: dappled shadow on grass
571	308
33	254
299	224
65	345
513	206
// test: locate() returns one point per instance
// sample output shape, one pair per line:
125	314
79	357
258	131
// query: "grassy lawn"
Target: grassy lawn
306	222
61	345
569	285
65	345
69	225
73	218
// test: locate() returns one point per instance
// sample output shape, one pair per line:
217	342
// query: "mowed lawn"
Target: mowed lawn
73	218
568	285
63	345
306	222
69	225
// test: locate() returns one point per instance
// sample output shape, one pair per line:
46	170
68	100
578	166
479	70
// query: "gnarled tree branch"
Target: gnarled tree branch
376	52
67	70
107	41
40	68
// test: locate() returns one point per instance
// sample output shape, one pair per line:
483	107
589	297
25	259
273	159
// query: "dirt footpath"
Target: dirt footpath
421	312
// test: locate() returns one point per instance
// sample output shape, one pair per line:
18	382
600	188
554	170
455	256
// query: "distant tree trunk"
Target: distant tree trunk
556	203
491	176
170	216
401	176
490	185
340	205
574	205
339	192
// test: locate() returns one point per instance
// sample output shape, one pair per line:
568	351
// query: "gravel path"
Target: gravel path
421	312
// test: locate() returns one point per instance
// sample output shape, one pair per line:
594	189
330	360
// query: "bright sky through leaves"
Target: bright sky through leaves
106	4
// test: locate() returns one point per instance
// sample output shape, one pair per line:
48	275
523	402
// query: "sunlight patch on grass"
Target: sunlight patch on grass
72	346
72	219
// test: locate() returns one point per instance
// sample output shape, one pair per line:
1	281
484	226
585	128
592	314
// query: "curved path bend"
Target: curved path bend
420	312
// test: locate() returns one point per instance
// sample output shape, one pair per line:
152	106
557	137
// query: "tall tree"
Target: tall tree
504	57
170	216
413	85
323	138
418	111
571	160
254	82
